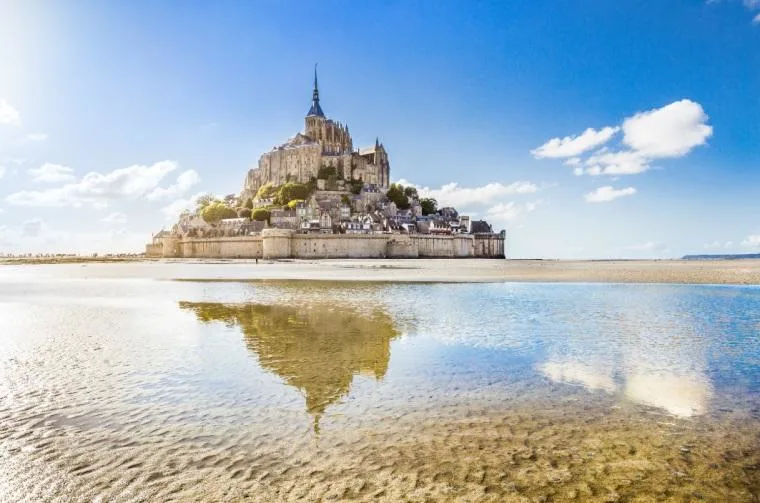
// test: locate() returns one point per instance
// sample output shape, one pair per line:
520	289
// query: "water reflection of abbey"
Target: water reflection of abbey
316	349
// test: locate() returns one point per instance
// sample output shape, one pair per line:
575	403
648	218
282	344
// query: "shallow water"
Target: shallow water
137	389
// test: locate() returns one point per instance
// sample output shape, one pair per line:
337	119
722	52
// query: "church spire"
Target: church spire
315	108
315	96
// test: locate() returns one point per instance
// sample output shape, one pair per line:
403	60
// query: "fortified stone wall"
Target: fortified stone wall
487	246
152	250
282	243
339	246
400	246
231	247
444	246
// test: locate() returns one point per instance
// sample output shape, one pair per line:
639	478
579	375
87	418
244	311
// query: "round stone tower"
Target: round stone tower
275	243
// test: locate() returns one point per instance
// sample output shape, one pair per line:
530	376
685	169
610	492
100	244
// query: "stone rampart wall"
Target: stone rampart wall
339	246
444	246
281	243
488	246
232	247
152	250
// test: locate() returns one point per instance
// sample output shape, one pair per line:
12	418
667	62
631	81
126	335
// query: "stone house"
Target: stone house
439	226
325	222
284	219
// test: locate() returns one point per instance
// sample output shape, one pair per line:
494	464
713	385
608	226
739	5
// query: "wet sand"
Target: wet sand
465	454
737	272
129	389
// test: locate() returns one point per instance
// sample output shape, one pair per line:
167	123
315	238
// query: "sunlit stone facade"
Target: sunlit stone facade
323	143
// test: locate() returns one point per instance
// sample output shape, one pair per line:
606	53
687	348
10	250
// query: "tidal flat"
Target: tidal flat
236	382
726	272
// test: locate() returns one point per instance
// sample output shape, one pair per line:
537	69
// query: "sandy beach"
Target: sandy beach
738	272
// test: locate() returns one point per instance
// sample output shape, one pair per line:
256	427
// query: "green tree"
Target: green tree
249	203
345	199
429	205
396	195
217	211
411	192
266	191
291	191
204	200
244	213
293	203
261	215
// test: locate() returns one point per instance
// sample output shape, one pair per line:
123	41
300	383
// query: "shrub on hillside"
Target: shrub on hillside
217	211
261	215
291	191
266	191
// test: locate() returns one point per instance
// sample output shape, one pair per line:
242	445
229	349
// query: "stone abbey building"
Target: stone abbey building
323	143
337	220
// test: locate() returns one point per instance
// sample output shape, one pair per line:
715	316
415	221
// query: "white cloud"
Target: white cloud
3	170
97	189
52	173
593	170
752	241
756	19
115	218
573	146
671	131
173	210
616	163
32	228
608	193
504	213
717	244
8	114
185	181
37	136
452	194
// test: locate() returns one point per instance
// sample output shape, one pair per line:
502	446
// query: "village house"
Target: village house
283	219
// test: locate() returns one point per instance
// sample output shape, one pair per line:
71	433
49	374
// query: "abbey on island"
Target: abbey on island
317	196
323	143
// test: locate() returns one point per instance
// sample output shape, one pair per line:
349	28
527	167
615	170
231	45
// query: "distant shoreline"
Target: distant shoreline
68	260
719	272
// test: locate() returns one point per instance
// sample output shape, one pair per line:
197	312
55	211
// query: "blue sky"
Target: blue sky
586	129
